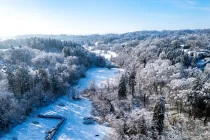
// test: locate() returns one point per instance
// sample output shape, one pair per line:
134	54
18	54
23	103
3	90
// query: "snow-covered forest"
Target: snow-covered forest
36	71
164	92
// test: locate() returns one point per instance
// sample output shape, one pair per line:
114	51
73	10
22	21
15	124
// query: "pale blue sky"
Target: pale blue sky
100	16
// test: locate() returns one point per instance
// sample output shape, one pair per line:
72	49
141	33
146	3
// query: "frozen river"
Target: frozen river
73	111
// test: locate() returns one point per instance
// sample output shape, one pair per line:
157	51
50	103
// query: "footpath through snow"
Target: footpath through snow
74	112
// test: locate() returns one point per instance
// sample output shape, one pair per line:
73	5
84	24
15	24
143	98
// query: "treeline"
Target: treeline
177	49
122	38
50	44
38	73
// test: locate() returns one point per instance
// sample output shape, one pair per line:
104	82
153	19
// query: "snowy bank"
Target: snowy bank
74	112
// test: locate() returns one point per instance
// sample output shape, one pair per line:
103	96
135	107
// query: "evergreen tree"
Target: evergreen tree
132	81
196	99
22	80
54	83
44	79
11	80
185	60
36	79
122	88
57	84
158	117
19	80
144	62
198	84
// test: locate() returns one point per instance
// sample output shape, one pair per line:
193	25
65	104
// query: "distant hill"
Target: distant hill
120	38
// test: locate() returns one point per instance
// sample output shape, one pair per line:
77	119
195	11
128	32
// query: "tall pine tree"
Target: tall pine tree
132	81
122	88
159	113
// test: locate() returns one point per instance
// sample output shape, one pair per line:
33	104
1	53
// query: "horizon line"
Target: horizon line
101	34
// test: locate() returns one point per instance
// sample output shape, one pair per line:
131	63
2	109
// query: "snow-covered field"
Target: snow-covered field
73	111
106	54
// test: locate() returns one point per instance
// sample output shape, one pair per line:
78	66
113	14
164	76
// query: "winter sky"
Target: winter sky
100	16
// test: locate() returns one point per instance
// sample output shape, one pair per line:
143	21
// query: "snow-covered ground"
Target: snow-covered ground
73	111
106	54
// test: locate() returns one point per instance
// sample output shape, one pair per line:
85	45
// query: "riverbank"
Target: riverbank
74	112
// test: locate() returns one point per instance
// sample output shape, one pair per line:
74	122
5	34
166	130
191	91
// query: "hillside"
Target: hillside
37	74
163	93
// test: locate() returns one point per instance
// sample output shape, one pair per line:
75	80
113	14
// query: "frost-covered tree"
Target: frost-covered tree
55	84
186	60
23	80
44	78
159	113
92	86
132	81
19	80
122	89
11	80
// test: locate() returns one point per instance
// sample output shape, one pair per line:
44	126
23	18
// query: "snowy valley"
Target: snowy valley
74	112
104	70
135	86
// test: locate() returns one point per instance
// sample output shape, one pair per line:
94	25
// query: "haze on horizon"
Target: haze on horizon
20	17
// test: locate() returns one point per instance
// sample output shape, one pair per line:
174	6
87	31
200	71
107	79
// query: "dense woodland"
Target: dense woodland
163	94
36	71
